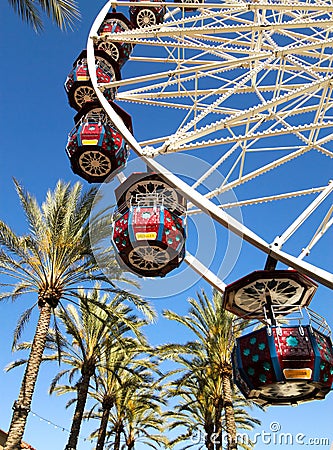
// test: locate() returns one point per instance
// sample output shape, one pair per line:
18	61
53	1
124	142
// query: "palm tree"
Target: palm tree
95	329
126	373
145	421
62	12
105	390
53	258
137	415
202	417
206	386
110	379
198	405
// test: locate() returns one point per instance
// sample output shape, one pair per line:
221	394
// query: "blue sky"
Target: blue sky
35	120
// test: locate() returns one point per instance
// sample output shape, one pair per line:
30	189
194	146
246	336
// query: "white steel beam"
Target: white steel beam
237	62
219	125
251	136
325	225
204	272
257	201
279	241
169	30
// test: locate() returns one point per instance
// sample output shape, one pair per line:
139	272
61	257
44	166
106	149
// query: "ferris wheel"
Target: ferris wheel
245	86
249	85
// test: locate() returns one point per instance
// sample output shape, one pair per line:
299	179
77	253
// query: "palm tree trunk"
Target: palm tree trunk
102	428
130	445
130	440
229	408
116	444
218	423
209	438
22	405
82	393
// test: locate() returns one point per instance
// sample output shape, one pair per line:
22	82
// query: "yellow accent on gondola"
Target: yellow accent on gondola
89	141
144	236
297	374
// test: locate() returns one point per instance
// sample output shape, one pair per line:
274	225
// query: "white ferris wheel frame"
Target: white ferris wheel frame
202	202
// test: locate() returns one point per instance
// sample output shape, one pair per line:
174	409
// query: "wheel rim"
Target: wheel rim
111	49
148	257
145	18
95	163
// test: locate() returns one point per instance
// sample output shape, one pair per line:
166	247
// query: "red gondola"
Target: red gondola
145	16
148	232
284	365
140	184
114	23
95	148
78	85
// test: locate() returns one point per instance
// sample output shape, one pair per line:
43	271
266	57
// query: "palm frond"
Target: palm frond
32	211
27	10
56	379
71	402
63	12
13	364
23	320
10	241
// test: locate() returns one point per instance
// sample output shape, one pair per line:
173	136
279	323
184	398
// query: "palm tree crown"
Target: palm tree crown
62	12
136	415
56	256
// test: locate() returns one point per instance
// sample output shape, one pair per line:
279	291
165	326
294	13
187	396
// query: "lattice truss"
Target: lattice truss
250	78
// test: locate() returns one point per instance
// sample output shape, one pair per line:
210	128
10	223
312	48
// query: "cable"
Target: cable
85	439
